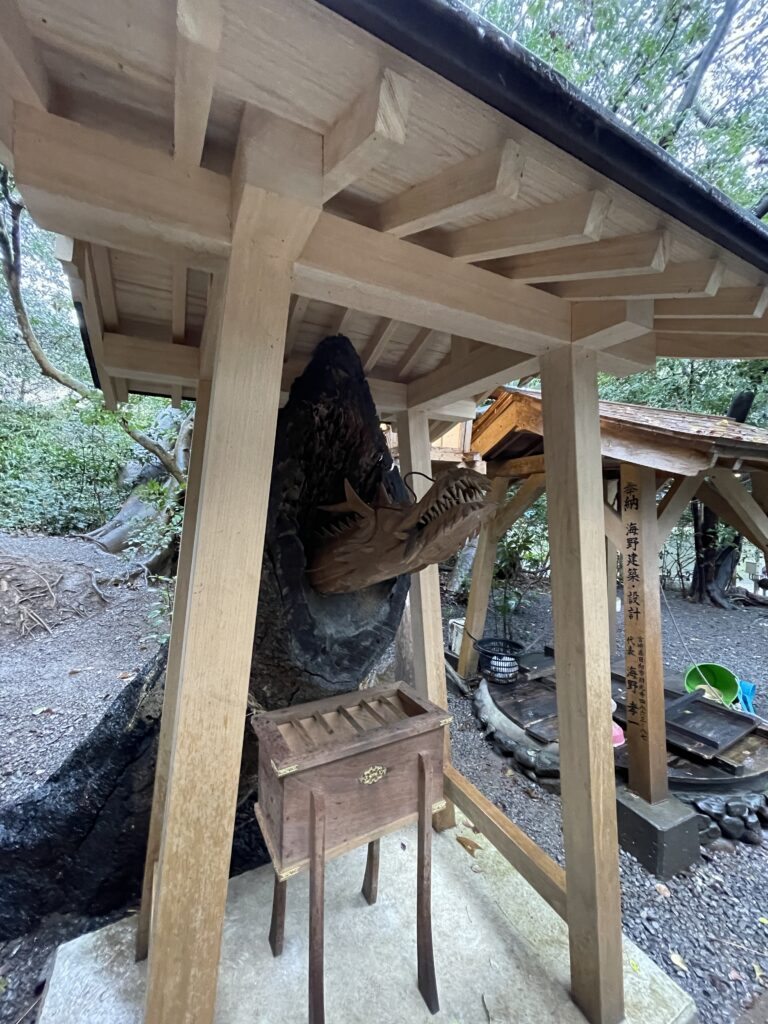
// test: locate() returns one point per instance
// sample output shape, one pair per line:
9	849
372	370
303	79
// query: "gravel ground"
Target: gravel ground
715	916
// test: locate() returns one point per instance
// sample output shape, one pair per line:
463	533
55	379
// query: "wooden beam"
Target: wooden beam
198	39
480	585
600	325
712	346
514	468
742	502
728	302
95	186
529	492
22	74
680	494
176	396
413	352
575	502
94	322
296	314
614	530
725	511
179	302
373	125
537	868
735	325
102	270
378	343
426	616
173	665
340	323
629	356
481	371
646	725
610	490
610	257
701	277
373	272
467	188
193	868
141	359
211	325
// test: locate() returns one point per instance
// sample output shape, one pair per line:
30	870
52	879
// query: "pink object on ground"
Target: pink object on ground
617	736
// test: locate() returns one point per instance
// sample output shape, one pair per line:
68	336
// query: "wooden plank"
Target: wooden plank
741	501
552	225
512	468
377	344
610	490
646	726
575	502
424	952
672	505
629	356
722	508
141	359
426	614
698	278
537	868
733	325
482	370
94	321
317	853
612	524
176	396
173	666
221	612
102	270
712	346
469	187
480	585
355	266
528	492
413	352
22	74
600	325
729	302
199	26
373	125
298	310
179	302
611	257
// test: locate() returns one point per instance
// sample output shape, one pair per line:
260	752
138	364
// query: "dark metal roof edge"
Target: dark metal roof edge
463	48
86	339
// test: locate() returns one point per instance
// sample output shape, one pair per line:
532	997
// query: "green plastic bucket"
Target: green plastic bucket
716	676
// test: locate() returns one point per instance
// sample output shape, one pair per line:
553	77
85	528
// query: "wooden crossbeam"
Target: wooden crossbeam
700	277
512	468
736	326
102	271
413	352
712	346
378	343
179	302
478	372
528	492
468	187
742	502
722	508
567	222
610	257
728	302
629	357
142	360
373	124
198	39
94	321
600	325
672	505
22	74
612	526
340	322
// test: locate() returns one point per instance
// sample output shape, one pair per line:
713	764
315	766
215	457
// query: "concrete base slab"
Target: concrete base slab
501	952
664	836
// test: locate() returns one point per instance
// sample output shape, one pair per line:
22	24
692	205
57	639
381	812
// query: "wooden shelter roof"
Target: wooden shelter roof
456	242
684	443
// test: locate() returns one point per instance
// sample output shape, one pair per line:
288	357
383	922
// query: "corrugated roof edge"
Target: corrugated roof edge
464	48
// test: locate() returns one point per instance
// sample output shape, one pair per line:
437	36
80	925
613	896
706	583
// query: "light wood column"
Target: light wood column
480	587
426	614
646	726
193	867
576	527
168	720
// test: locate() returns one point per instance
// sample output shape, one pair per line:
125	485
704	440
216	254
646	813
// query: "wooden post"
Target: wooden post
646	727
426	614
576	525
480	587
193	868
173	665
610	488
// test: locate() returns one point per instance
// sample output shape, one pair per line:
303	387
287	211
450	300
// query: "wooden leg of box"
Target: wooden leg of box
277	924
426	960
371	880
316	907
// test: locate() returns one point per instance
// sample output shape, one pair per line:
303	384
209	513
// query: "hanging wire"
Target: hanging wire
416	472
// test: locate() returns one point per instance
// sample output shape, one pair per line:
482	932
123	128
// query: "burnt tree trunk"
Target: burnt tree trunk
77	843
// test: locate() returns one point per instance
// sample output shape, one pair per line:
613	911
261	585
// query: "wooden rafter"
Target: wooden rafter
468	187
22	75
476	373
155	361
700	277
378	343
413	352
600	325
712	346
735	326
611	257
374	123
102	272
179	302
729	302
198	38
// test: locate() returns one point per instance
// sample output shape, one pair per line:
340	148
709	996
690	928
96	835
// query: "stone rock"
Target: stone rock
732	827
722	845
526	757
753	836
762	813
752	822
548	764
754	801
704	821
738	808
714	806
710	834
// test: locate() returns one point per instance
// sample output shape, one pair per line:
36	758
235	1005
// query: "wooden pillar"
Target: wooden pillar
610	488
172	668
426	614
646	727
480	587
576	526
193	867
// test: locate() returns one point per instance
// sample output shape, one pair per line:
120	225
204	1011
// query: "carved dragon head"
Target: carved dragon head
364	544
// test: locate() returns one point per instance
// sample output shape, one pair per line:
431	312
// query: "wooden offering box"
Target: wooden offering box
360	753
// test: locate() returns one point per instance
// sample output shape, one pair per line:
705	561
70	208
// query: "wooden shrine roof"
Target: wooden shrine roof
456	242
665	439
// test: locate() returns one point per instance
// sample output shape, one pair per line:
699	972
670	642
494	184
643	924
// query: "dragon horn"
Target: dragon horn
353	503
